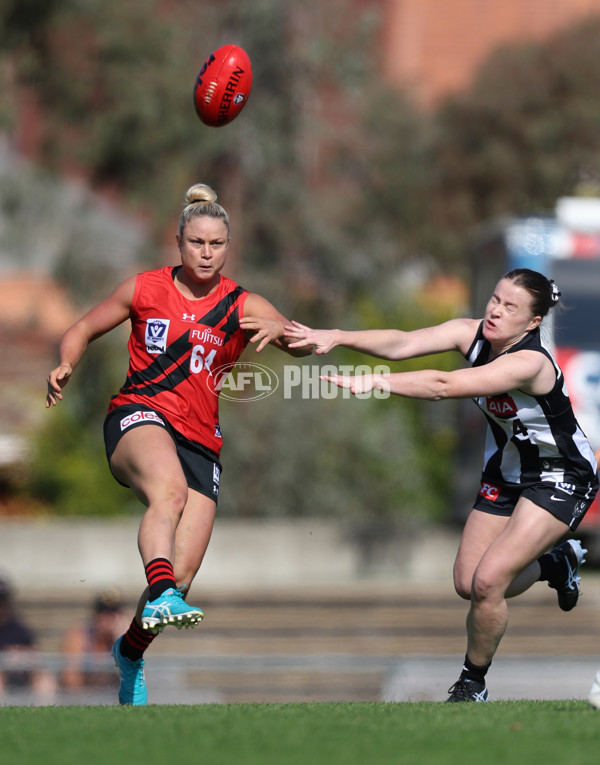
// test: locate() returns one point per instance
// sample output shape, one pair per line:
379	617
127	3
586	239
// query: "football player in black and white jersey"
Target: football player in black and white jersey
539	475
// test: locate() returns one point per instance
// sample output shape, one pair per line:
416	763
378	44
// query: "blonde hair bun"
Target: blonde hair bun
200	192
201	200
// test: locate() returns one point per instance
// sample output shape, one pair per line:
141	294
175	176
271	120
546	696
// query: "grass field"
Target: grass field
520	732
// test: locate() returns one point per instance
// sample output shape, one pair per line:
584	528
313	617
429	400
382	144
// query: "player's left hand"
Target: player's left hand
264	331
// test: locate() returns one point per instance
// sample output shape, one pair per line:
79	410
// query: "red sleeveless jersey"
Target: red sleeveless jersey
181	350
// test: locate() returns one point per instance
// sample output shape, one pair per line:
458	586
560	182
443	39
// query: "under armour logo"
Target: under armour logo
188	317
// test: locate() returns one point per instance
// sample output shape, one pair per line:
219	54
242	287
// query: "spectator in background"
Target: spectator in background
86	646
20	667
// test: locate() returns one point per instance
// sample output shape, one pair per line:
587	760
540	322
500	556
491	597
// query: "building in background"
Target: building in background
434	47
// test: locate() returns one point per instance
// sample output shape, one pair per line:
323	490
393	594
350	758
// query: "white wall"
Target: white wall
83	554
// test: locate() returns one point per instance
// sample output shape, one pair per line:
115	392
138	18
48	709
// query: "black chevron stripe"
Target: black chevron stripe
168	382
146	382
160	364
219	312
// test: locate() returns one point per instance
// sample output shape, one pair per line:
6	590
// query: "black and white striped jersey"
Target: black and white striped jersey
532	438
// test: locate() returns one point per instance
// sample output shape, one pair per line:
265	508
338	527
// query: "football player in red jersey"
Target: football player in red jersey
539	475
162	430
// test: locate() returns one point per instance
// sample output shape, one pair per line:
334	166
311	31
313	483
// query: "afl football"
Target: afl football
223	85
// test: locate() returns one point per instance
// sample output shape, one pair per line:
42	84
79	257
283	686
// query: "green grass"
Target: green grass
523	732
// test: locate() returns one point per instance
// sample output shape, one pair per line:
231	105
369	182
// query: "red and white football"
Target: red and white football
223	85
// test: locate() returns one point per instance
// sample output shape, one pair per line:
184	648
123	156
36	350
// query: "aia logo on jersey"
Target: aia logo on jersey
157	332
489	491
501	406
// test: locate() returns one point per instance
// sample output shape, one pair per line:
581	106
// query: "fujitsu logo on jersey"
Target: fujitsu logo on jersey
206	336
501	406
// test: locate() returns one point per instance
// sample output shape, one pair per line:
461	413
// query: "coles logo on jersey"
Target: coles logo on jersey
157	331
135	418
489	491
501	406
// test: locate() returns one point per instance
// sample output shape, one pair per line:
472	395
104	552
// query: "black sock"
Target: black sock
471	671
135	641
160	577
551	567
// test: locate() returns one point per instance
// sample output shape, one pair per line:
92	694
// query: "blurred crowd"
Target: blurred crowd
27	676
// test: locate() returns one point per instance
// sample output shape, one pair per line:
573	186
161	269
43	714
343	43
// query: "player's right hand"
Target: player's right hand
57	379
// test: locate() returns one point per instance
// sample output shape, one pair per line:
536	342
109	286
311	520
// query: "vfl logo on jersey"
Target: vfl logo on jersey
489	491
139	417
501	406
157	331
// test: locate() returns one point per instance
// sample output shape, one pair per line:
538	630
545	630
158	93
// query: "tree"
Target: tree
526	133
114	82
295	172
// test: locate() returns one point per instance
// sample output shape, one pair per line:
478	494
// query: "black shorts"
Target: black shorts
566	501
201	465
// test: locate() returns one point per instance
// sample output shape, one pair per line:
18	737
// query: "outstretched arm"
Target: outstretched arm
528	370
264	324
98	321
392	344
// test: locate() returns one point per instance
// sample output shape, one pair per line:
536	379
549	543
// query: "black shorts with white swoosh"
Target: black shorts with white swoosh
566	501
